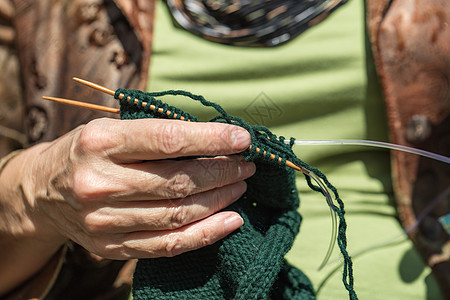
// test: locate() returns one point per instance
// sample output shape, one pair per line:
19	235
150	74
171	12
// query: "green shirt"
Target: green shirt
315	87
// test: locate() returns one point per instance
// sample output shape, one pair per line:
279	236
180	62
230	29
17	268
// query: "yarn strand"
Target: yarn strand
268	144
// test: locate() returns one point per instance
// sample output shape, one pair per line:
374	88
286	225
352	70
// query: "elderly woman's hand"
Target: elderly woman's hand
115	188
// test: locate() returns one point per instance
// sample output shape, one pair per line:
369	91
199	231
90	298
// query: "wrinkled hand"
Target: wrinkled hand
113	187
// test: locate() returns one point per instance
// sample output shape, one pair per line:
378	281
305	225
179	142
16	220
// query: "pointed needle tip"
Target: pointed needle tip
84	104
95	86
77	79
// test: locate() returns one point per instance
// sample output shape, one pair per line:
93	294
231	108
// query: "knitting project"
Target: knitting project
249	263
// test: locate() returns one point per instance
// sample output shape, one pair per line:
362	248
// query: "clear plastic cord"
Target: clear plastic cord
384	145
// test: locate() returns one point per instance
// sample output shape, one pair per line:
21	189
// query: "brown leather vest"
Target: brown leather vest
410	41
43	44
108	42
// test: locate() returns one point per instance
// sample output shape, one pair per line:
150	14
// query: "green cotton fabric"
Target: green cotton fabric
249	263
315	87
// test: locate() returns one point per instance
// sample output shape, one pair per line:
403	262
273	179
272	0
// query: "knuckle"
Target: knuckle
93	137
85	186
180	185
174	245
205	237
171	139
94	224
178	217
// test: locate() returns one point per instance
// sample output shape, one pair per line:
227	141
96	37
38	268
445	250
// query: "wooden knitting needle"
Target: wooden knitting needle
84	104
288	163
152	107
121	95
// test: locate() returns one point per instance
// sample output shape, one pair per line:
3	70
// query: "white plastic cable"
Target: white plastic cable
377	144
384	145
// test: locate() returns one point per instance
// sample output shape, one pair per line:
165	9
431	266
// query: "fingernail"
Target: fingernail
238	189
240	139
246	169
232	223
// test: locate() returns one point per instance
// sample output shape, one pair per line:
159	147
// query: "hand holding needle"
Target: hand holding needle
144	104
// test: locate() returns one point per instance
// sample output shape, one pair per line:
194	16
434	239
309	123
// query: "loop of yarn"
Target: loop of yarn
269	144
131	110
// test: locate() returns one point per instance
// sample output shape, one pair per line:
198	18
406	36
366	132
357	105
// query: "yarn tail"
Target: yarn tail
323	186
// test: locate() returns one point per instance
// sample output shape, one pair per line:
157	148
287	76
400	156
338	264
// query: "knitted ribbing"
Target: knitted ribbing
249	263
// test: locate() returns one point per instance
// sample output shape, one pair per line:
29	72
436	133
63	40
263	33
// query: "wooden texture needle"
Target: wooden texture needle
136	101
95	86
84	104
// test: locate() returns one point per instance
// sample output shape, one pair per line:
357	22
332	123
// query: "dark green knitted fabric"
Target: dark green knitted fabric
249	263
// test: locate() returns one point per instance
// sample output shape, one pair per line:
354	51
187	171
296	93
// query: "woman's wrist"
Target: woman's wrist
26	245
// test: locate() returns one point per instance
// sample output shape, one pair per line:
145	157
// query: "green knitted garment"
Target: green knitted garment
249	263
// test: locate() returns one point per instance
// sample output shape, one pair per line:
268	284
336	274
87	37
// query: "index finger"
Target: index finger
153	139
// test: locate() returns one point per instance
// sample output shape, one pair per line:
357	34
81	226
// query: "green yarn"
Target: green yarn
249	263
